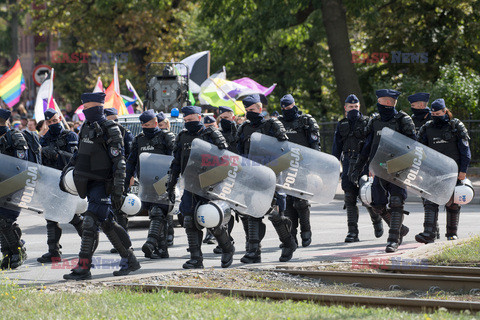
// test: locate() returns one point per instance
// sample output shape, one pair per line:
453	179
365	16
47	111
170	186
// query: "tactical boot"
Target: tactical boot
87	248
15	252
396	220
429	224
282	226
352	235
194	237
453	217
127	265
81	271
377	222
228	250
306	238
121	241
54	232
170	230
253	254
352	217
303	209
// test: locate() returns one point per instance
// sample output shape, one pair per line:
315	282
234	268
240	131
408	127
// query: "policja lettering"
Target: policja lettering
417	162
29	190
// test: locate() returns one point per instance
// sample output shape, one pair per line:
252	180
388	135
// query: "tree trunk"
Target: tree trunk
14	31
335	23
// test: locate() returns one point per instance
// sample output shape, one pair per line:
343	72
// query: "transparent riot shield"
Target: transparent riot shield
301	171
409	164
217	174
30	186
153	177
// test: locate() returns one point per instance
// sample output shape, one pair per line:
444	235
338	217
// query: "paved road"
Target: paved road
328	222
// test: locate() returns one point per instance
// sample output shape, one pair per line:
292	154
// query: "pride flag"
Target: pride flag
12	85
114	100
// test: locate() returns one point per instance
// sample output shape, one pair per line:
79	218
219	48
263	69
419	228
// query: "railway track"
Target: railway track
327	299
434	279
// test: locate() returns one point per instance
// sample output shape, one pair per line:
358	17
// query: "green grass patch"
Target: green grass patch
462	253
16	303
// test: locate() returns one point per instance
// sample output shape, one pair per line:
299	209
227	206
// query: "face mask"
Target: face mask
226	125
55	129
420	113
353	114
94	114
254	117
440	120
193	126
149	132
290	114
386	112
3	130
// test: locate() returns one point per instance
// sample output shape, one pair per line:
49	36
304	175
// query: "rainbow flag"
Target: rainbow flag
114	100
12	85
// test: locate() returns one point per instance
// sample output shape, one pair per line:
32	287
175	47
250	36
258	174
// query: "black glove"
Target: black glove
60	183
171	194
356	170
49	153
117	200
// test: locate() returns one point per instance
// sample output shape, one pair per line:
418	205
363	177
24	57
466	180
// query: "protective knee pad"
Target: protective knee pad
188	222
396	202
350	199
156	213
117	236
454	207
301	204
276	216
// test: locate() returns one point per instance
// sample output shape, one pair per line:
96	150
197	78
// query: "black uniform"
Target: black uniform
190	201
420	121
451	139
12	143
256	228
99	173
348	141
381	189
161	142
57	150
302	130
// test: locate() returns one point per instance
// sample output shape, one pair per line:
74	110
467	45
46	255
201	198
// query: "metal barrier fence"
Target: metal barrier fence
327	131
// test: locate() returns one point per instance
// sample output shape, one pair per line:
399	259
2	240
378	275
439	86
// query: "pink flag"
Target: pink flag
99	86
80	114
252	84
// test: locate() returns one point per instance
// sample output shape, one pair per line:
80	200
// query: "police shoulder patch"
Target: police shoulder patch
21	154
115	152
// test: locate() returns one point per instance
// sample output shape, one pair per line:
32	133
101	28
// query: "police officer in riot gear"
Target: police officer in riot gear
381	190
194	128
58	147
12	143
228	127
209	121
347	143
99	175
420	112
164	124
447	135
256	228
152	140
112	114
303	130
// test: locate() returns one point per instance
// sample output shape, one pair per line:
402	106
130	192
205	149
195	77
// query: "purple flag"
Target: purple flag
252	84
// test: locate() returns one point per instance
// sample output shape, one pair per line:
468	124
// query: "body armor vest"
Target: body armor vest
420	122
93	161
296	130
444	139
352	137
58	143
378	125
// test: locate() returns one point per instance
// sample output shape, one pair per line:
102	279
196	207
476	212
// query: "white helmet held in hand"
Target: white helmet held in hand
131	205
69	183
213	214
365	184
463	193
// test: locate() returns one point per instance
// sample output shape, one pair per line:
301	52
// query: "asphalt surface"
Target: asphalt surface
329	228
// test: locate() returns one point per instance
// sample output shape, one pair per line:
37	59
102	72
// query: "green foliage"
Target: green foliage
117	304
462	252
